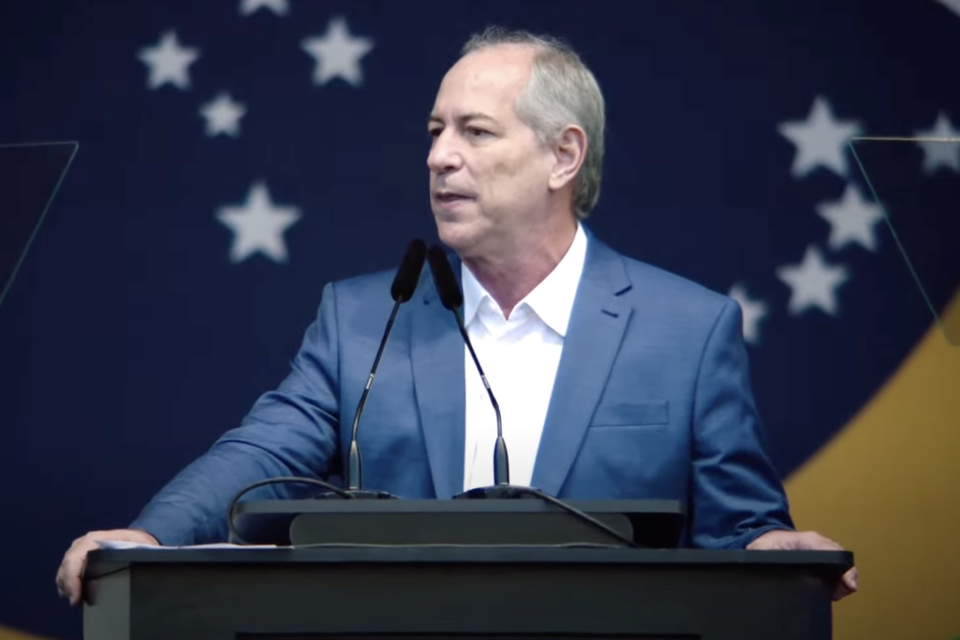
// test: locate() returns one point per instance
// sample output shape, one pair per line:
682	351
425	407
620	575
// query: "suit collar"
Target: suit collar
597	324
436	355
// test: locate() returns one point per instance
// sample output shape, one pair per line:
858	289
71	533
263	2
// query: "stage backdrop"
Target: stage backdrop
235	155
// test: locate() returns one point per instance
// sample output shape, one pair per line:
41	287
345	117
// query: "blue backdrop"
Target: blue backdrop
134	336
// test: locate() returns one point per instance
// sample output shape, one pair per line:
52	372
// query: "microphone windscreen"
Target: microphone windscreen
443	277
405	282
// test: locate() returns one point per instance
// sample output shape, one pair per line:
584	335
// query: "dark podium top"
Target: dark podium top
476	592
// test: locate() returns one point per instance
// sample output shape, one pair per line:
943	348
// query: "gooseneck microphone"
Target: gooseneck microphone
452	298
404	284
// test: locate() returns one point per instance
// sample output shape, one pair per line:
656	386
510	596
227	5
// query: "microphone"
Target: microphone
404	284
452	298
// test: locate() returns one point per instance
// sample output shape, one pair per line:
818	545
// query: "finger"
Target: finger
847	585
843	589
67	563
65	580
840	591
63	573
852	579
72	570
78	576
71	578
60	581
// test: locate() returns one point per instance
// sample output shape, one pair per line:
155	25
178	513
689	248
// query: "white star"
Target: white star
279	7
753	312
223	116
820	140
813	283
941	152
168	62
852	219
337	54
258	226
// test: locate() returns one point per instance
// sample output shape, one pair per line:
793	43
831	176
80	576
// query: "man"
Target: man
615	379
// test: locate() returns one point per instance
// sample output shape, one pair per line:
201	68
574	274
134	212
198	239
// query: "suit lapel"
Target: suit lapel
597	322
437	356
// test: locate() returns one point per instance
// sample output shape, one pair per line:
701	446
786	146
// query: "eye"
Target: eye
435	131
477	132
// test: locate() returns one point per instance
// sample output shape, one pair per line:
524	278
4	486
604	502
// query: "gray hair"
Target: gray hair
561	91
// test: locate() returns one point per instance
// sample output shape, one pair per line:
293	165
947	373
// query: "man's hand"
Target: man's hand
70	575
807	541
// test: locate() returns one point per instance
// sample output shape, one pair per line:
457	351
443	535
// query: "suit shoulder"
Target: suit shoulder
361	284
363	293
673	291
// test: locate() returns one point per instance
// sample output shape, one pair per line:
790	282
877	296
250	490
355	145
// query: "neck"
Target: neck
509	276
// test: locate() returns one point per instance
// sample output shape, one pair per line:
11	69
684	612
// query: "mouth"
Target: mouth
450	198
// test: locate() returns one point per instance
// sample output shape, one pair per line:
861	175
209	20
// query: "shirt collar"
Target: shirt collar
552	299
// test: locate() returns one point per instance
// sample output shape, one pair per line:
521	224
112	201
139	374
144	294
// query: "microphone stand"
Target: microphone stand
402	289
452	298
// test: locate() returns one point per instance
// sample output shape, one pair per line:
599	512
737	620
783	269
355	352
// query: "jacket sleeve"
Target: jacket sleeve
291	431
736	494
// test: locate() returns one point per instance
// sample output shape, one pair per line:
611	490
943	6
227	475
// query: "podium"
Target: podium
573	591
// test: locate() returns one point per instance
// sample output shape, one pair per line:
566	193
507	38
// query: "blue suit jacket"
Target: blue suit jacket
652	400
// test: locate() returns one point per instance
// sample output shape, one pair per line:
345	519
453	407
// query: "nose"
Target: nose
444	155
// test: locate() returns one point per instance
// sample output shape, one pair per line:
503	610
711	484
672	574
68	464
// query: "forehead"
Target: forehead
490	77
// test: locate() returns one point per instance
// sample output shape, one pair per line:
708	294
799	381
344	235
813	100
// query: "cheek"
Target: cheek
503	168
513	174
507	178
501	188
519	178
510	165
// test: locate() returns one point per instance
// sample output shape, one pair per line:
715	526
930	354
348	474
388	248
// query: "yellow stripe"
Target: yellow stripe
887	487
951	323
10	634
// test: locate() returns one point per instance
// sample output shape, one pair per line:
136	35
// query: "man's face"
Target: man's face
488	170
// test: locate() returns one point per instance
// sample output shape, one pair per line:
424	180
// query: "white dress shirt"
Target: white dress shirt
519	357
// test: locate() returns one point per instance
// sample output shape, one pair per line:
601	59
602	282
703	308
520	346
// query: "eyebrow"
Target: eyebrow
467	117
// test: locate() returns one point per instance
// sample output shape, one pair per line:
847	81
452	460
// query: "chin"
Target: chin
458	242
456	235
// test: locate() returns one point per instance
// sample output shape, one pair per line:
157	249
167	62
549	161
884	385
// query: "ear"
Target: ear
569	150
